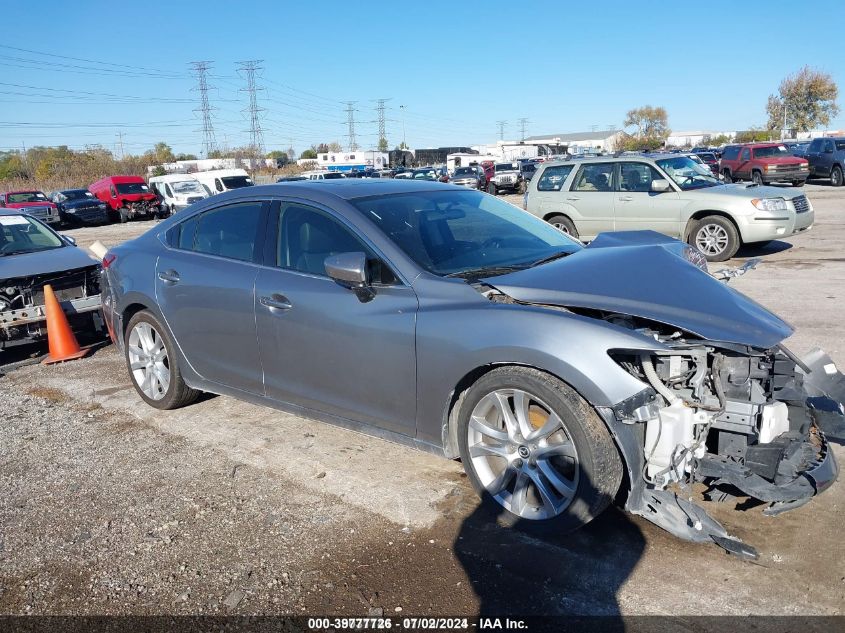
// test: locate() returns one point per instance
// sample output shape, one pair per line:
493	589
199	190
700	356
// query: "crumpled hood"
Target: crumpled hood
55	260
646	274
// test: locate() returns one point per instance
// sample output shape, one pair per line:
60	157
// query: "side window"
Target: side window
229	231
730	153
597	177
184	234
815	146
168	190
746	154
112	191
552	178
637	176
307	237
218	185
828	145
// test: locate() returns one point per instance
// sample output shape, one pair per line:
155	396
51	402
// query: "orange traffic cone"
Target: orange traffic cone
63	345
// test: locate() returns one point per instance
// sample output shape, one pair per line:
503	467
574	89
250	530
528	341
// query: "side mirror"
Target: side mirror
70	240
350	270
660	185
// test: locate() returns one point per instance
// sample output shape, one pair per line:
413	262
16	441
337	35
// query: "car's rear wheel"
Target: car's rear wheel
726	174
757	178
539	456
564	224
153	365
716	237
836	177
491	189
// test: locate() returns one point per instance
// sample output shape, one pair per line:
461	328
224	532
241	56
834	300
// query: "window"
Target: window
228	231
552	178
129	188
112	191
637	176
730	153
816	145
773	151
183	234
746	154
168	190
596	177
840	144
218	185
828	145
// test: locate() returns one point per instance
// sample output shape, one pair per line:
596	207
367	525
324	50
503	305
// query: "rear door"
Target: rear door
826	157
205	287
743	166
637	207
591	196
323	346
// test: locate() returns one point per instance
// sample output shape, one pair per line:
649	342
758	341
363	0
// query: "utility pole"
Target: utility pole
209	143
501	125
256	134
404	143
350	122
382	134
522	124
120	143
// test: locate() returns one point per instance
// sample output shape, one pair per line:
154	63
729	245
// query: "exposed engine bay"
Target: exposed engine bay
22	313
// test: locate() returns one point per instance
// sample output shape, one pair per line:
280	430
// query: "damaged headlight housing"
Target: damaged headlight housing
769	204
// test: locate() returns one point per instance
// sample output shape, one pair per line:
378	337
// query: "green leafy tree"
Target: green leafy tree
186	157
382	144
309	154
809	98
754	135
335	147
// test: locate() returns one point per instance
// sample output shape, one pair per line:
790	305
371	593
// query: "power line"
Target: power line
209	143
350	122
256	139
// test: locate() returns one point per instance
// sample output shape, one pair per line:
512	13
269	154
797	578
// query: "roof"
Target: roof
577	136
22	191
348	188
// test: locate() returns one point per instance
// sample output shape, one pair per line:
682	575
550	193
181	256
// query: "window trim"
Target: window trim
617	175
272	234
583	166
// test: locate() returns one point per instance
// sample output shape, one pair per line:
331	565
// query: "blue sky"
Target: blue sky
457	67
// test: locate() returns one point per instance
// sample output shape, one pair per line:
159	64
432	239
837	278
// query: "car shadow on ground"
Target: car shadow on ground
762	249
522	571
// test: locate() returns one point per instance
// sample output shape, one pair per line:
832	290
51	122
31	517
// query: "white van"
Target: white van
322	174
220	180
177	191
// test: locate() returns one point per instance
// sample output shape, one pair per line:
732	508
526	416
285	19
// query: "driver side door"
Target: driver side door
638	208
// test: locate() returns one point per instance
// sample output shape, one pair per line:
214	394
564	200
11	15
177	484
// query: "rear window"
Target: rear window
553	177
840	144
229	231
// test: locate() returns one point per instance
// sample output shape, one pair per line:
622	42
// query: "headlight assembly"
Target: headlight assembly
769	204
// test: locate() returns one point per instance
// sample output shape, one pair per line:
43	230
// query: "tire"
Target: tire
491	189
124	215
553	494
716	237
727	176
522	188
757	178
145	336
798	183
836	177
563	223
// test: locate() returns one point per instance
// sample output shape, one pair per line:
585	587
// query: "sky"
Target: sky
79	73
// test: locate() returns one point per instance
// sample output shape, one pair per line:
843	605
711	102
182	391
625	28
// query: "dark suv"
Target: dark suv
763	163
827	159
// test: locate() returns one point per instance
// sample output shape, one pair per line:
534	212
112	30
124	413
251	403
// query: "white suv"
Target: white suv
667	193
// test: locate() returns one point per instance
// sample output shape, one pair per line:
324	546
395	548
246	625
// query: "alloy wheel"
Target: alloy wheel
711	239
561	227
523	454
148	360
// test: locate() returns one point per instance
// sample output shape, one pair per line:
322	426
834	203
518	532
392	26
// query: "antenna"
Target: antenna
209	143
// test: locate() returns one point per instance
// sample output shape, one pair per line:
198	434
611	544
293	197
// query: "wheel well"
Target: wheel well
549	216
130	311
699	215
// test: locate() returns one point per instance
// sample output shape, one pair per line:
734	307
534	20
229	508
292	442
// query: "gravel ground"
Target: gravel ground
110	507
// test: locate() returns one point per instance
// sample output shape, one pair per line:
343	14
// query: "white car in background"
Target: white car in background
178	191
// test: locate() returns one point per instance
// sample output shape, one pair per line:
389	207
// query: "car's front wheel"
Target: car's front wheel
564	224
726	175
153	365
491	189
757	178
716	237
539	456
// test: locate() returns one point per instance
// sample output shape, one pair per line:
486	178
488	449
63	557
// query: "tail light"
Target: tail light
108	259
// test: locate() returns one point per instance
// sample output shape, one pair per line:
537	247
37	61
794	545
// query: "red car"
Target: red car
709	159
763	163
33	203
489	170
127	197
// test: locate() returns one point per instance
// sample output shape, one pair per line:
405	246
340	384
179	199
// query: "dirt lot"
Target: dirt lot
108	506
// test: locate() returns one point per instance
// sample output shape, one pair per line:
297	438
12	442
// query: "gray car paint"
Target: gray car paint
354	369
645	274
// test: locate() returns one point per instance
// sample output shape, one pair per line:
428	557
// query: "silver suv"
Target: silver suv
670	194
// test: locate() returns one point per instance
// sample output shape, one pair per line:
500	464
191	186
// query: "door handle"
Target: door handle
276	302
625	198
169	276
573	198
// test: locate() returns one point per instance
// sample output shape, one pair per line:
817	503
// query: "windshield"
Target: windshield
464	171
26	196
688	174
132	188
187	186
464	233
333	175
707	158
427	174
504	167
77	194
774	151
19	234
236	182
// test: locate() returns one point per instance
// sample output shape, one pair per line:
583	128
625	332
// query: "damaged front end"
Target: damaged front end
741	420
22	311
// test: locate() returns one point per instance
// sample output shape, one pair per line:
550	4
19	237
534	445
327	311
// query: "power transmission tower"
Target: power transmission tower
501	125
256	133
382	134
350	122
119	144
209	143
522	124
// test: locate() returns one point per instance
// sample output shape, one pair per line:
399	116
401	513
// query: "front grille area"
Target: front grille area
801	204
84	282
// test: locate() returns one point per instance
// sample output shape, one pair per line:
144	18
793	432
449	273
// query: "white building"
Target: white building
693	137
207	164
581	142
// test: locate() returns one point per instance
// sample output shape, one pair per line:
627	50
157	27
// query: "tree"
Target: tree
402	145
754	135
382	144
278	155
651	123
335	147
309	154
163	153
322	148
718	140
809	97
185	157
